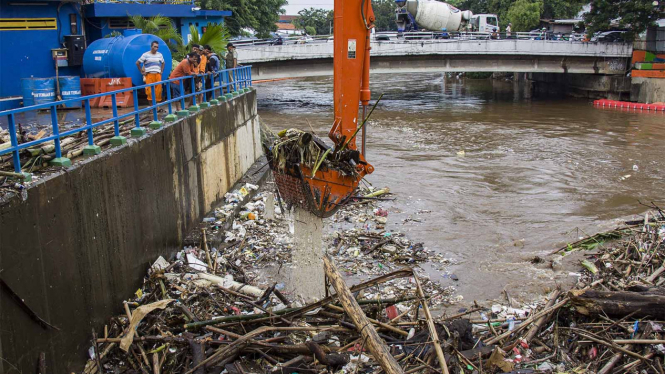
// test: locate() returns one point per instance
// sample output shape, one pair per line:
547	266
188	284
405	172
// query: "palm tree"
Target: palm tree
161	27
216	36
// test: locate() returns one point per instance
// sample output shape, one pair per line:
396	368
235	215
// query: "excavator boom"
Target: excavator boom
308	174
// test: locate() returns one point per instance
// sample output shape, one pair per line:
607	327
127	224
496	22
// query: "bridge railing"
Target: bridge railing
171	2
184	88
295	39
476	35
420	36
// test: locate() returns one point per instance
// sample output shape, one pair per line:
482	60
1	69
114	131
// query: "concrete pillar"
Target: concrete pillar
528	87
307	274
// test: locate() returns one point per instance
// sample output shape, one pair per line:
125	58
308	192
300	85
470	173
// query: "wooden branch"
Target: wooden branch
455	316
378	323
432	328
533	331
205	248
638	341
372	282
226	354
618	303
378	349
655	274
586	335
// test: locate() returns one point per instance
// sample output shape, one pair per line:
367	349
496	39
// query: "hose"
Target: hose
362	13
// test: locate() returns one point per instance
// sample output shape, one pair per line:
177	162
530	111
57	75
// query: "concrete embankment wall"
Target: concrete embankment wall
82	240
648	90
595	86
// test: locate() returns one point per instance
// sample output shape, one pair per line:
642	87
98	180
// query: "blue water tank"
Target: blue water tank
38	90
70	88
116	57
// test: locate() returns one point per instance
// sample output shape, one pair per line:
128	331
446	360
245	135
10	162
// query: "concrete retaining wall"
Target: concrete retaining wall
82	240
594	86
648	90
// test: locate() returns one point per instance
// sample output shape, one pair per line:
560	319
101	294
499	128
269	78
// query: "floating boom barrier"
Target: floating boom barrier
604	103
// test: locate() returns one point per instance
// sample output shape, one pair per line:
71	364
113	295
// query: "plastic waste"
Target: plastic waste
248	215
380	212
195	263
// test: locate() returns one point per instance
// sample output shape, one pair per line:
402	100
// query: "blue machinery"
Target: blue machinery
235	81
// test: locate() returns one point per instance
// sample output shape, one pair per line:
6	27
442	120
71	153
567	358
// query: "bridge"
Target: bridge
454	55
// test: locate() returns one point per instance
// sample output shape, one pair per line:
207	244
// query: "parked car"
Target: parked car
610	37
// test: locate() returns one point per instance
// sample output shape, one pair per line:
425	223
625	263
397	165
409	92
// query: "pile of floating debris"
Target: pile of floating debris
212	310
611	321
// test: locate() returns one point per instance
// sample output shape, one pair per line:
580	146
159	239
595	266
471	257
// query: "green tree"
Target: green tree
550	9
260	15
560	9
633	15
266	13
310	30
476	6
384	11
524	15
320	19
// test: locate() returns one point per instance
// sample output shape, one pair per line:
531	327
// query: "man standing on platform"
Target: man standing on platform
153	66
231	60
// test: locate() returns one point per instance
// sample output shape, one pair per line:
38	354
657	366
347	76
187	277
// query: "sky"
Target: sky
296	5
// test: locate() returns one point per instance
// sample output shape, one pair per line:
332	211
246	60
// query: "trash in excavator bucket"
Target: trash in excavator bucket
312	176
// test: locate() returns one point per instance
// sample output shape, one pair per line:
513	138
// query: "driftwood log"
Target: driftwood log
619	303
376	346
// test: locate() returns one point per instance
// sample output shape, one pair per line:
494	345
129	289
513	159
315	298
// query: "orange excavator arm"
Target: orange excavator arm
307	173
353	22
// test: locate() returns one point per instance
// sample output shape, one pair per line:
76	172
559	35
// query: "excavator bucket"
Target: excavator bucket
322	194
313	177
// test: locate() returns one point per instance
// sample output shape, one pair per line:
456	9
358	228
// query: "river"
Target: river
535	173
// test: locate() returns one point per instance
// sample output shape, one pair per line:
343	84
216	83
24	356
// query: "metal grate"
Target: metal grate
13	24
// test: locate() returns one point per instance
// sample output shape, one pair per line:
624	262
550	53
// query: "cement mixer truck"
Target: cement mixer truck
418	15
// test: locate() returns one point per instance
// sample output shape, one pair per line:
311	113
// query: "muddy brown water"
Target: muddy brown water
536	172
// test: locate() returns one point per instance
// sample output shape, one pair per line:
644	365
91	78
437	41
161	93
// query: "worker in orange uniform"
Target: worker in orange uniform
201	70
152	69
186	67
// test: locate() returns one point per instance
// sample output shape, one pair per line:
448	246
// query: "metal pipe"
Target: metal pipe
364	130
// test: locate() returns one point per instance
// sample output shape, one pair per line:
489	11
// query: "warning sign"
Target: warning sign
352	48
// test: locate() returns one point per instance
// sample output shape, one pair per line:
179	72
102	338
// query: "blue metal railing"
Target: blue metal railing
230	80
174	2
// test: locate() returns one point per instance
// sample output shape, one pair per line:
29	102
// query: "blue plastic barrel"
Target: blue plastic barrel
70	88
116	57
38	91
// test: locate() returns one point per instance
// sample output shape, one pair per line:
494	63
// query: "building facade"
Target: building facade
35	35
